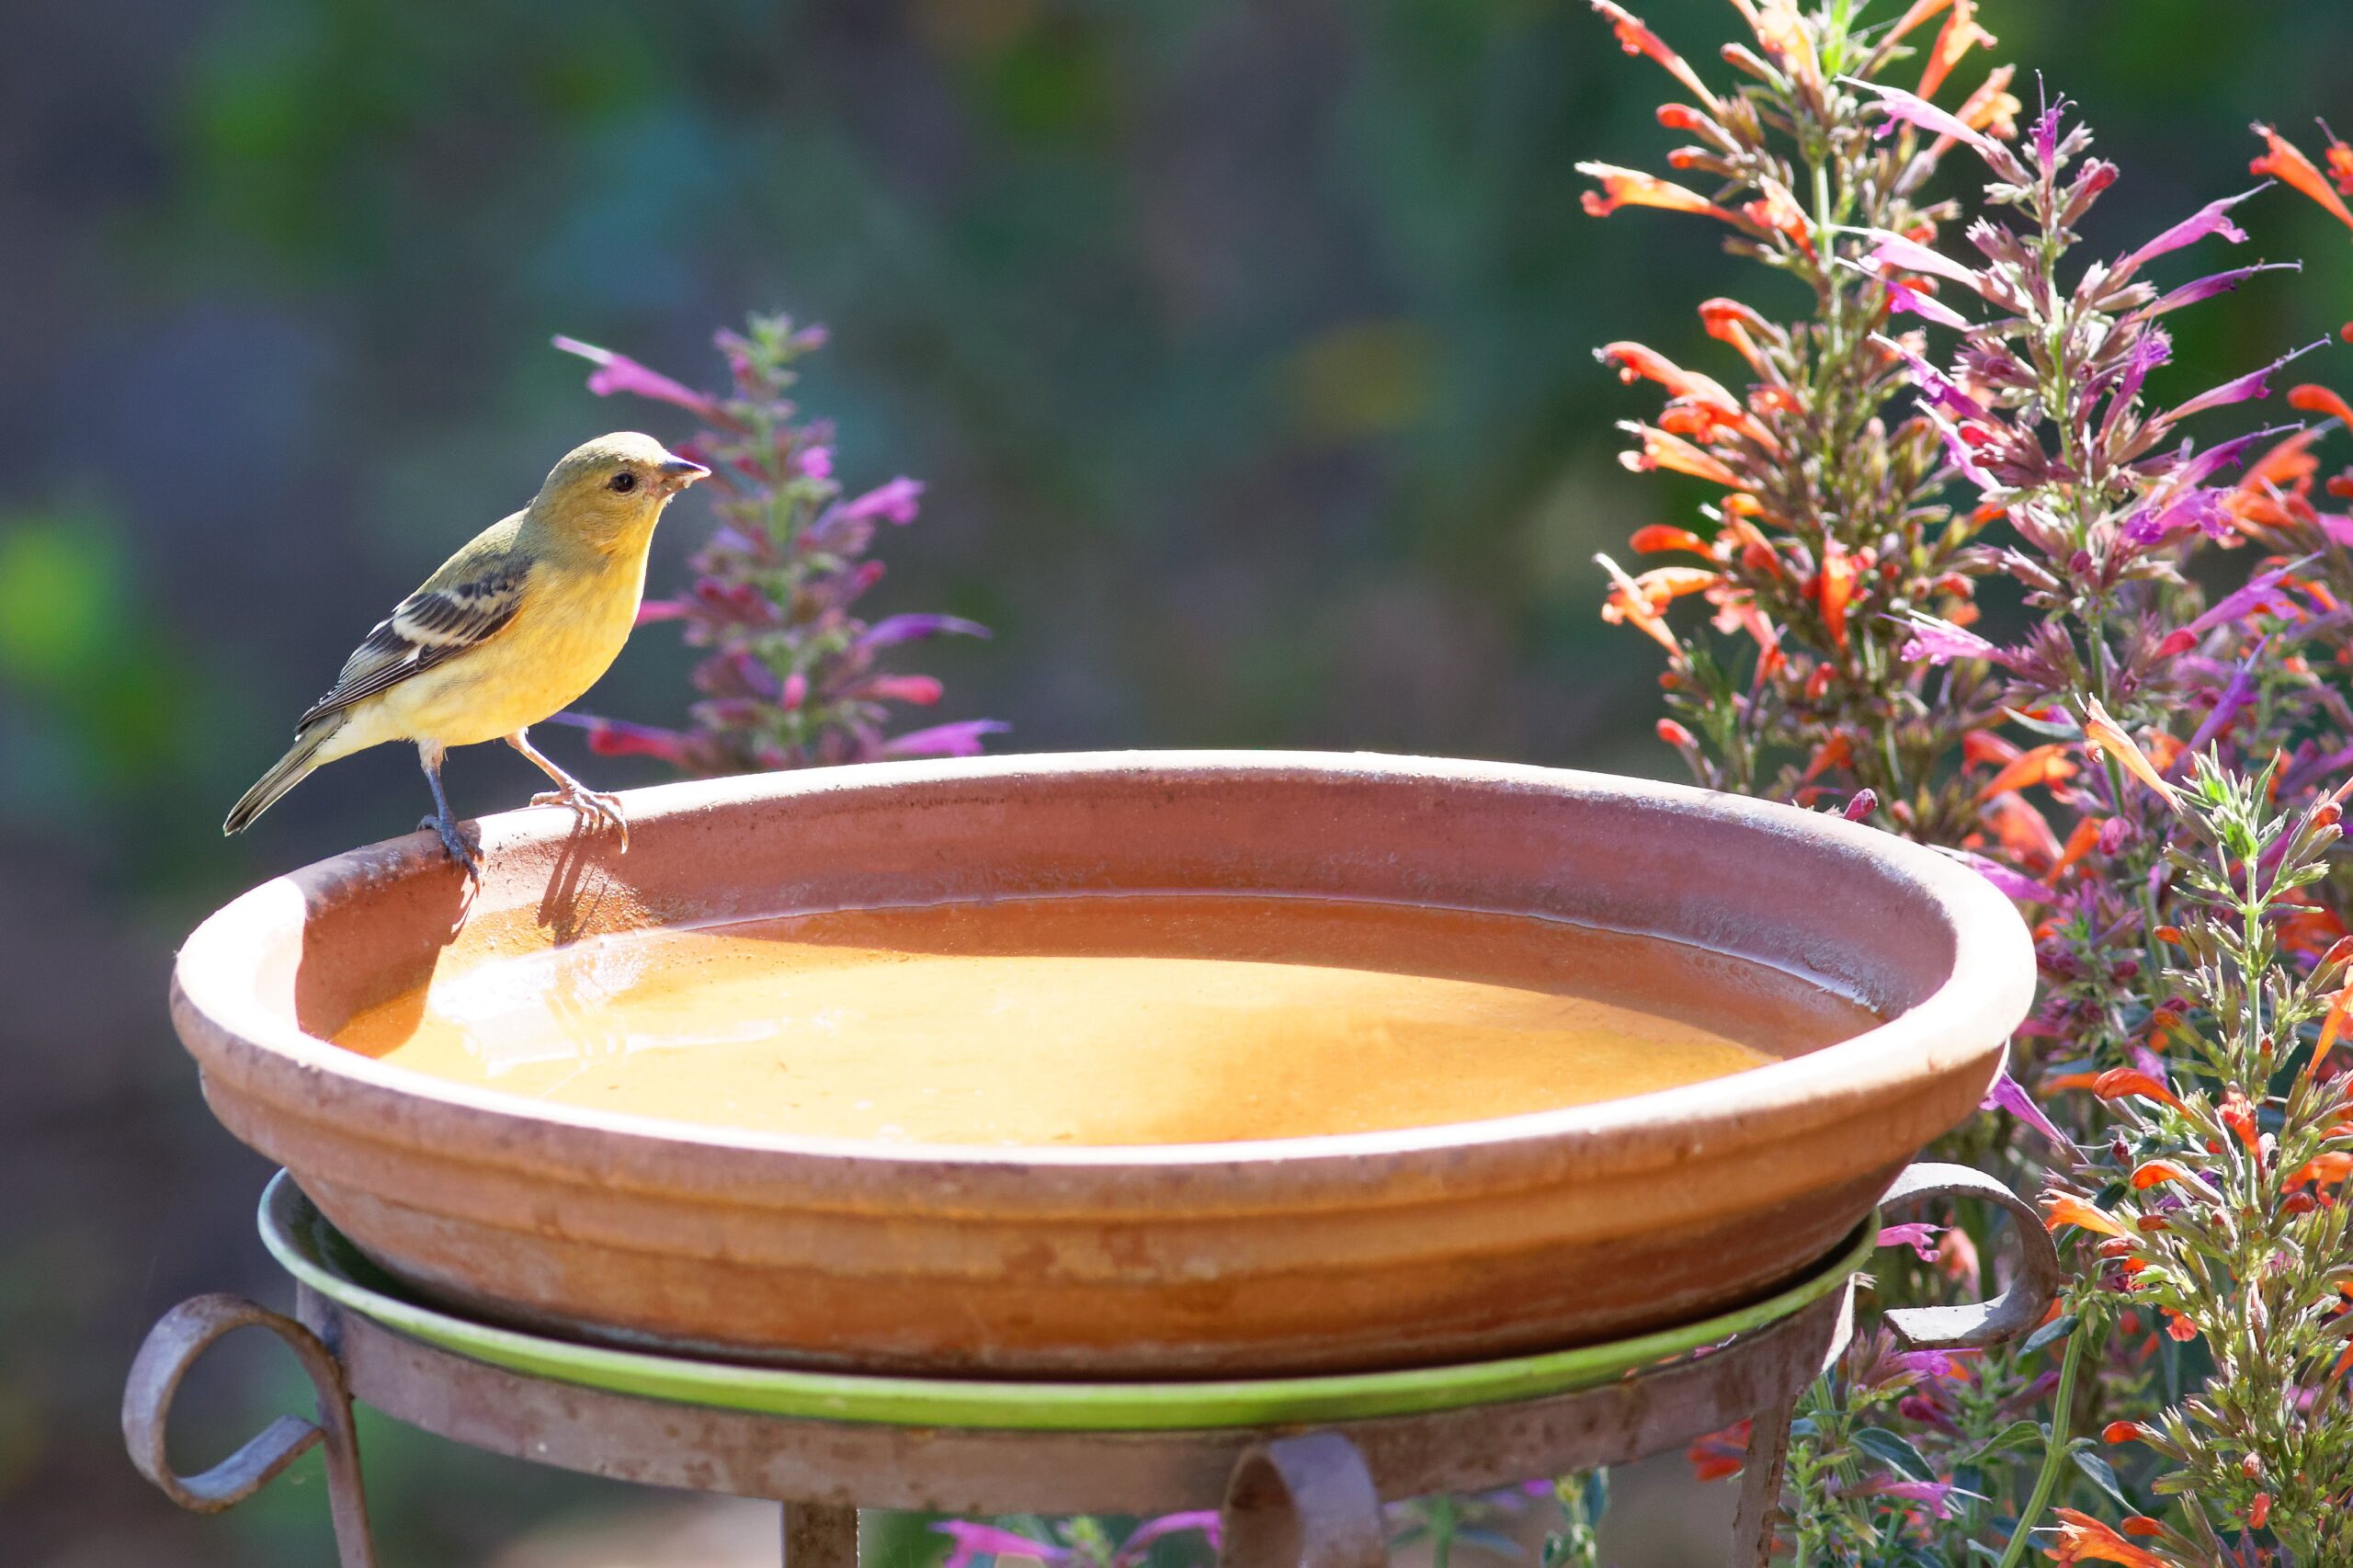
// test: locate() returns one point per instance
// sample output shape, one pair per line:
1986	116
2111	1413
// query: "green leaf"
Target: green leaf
1895	1451
2050	1333
2102	1473
2018	1433
1980	1552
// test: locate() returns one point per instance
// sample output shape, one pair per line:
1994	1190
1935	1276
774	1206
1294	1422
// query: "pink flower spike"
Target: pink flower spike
1911	255
1917	1234
1913	110
619	373
2253	384
2208	219
817	463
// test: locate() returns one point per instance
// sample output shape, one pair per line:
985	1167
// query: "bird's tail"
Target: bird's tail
290	770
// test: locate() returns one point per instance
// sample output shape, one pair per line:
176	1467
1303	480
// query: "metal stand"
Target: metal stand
1290	1498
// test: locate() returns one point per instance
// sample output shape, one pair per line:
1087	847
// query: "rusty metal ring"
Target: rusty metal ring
2016	1310
1303	1502
174	1344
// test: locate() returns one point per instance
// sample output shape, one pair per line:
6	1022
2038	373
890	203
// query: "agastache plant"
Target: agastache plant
2164	812
793	677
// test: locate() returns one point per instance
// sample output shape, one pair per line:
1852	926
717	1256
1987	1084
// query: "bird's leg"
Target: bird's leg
595	805
442	821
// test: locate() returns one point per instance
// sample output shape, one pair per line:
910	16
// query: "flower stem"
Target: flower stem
2062	1401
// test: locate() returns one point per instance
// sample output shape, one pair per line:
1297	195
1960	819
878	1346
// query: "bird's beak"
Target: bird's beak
678	473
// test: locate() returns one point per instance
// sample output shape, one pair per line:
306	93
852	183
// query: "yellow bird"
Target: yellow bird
515	627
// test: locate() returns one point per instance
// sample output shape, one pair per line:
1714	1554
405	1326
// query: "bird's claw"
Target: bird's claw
596	807
453	839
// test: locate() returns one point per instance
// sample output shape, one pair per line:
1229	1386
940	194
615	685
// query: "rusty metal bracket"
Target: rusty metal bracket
175	1343
1303	1502
1978	1323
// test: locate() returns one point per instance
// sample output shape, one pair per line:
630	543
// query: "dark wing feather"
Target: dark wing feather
425	629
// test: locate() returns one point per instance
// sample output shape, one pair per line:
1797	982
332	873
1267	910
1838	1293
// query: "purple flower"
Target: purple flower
1902	106
817	463
2017	884
960	738
1132	1551
2261	596
1928	1363
1901	296
893	630
2201	509
1941	389
895	500
2208	219
975	1541
2149	1062
2235	696
2253	384
619	373
1911	255
1935	1494
1940	642
2202	289
1917	1234
2199	469
2007	1094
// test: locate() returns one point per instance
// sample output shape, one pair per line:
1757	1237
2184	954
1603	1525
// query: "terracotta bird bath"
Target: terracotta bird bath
1297	1263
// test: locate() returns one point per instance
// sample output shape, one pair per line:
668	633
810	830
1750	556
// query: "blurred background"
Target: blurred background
1244	349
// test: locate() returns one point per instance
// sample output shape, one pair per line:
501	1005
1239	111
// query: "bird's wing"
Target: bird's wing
429	627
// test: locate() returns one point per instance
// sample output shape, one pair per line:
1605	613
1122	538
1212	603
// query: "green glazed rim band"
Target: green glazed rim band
318	1256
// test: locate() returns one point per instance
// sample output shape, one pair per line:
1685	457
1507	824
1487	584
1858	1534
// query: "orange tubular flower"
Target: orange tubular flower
1960	31
1634	362
1632	188
1658	537
1627	602
1636	38
2313	399
1837	589
1663	451
2025	832
2103	733
1920	12
2285	163
2118	1082
2065	1210
2082	1539
1979	747
2148	1174
1728	321
2321	1170
2043	764
1992	108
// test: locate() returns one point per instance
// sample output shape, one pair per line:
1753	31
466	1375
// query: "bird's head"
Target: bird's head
613	488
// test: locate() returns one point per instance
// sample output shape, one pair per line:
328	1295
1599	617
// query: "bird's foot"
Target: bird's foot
598	808
467	855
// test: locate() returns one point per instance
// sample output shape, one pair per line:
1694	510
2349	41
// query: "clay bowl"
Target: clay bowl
1421	1246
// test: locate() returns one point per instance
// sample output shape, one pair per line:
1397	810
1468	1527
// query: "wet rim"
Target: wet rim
260	1052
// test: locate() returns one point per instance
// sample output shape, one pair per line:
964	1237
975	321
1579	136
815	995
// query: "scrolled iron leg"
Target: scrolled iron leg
176	1343
820	1535
1978	1323
1305	1502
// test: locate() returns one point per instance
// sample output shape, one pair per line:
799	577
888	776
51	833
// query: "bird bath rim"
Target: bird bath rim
207	993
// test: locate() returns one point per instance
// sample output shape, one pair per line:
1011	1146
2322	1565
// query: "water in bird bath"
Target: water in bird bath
1102	1020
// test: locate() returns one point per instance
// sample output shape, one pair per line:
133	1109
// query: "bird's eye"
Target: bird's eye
624	482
